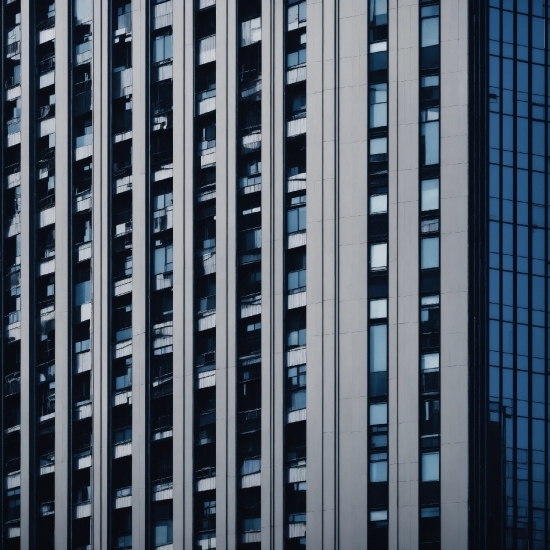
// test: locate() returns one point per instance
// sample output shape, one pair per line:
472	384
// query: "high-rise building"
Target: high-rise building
207	203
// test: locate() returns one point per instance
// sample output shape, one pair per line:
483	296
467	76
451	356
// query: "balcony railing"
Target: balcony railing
46	23
46	65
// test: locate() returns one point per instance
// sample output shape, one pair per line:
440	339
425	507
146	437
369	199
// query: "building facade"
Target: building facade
274	274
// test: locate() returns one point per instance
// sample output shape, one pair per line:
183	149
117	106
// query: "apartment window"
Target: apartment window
296	17
162	48
378	12
378	309
378	204
296	219
429	253
430	466
83	293
378	346
378	256
429	26
296	280
429	143
378	414
429	195
378	467
297	331
429	366
378	149
163	259
378	99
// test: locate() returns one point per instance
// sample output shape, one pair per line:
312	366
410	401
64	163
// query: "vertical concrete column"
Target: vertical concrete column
141	269
185	97
63	281
101	280
404	257
181	302
273	273
267	316
454	274
393	250
28	382
226	237
322	257
353	278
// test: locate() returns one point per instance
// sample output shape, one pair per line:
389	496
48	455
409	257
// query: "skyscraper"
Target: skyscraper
274	274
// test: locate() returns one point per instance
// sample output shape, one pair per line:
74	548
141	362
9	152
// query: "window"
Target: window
378	414
430	466
378	12
296	219
429	362
296	280
378	309
429	26
429	253
429	195
378	346
162	48
163	259
378	256
378	204
251	31
83	293
429	143
378	149
163	201
378	467
251	466
378	100
296	16
379	515
163	532
296	331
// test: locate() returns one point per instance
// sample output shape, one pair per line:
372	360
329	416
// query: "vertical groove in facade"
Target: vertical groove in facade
205	365
60	127
159	488
41	337
251	363
122	382
180	303
294	261
15	395
378	264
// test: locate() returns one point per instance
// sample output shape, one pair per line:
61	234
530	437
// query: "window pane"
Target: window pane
379	146
378	105
429	199
429	133
430	32
378	309
429	251
378	348
378	256
430	466
379	471
429	361
378	414
378	204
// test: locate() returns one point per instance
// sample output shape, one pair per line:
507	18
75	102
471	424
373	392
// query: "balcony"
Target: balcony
122	498
162	219
249	421
83	52
251	141
13	128
205	479
46	508
13	226
13	326
206	50
162	15
162	427
13	175
12	421
46	71
205	102
123	25
122	83
296	126
203	4
251	305
12	383
162	490
13	49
